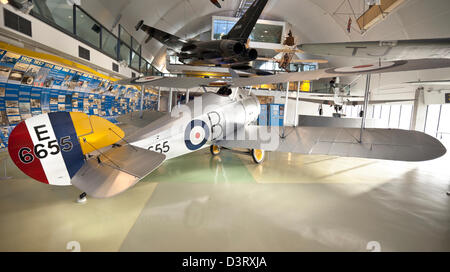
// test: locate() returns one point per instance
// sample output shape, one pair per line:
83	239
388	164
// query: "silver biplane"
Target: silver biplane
97	157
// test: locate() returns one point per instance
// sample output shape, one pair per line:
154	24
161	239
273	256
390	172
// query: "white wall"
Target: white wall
46	38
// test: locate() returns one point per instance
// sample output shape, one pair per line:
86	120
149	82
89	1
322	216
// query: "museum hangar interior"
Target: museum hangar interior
94	95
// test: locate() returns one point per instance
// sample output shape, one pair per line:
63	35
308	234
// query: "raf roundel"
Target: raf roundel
196	134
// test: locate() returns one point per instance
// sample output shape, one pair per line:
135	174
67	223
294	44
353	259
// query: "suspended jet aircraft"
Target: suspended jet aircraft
97	157
230	50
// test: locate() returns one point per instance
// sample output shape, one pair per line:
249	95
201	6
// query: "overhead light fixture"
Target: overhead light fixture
4	2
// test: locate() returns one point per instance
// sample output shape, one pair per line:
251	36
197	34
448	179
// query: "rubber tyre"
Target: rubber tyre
215	150
258	155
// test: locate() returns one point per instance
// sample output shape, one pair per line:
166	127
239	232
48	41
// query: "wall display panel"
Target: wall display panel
62	100
7	63
3	117
31	73
42	75
54	96
35	101
12	103
38	87
19	69
25	102
45	100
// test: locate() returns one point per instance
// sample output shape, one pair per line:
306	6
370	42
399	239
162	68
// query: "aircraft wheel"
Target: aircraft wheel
215	150
258	155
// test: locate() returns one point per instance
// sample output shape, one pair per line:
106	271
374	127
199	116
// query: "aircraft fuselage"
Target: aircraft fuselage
197	125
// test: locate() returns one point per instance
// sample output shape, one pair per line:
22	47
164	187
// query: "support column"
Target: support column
170	100
283	135
419	115
142	102
366	103
296	105
187	96
159	99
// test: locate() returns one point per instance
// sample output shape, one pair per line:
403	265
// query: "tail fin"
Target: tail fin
244	27
51	148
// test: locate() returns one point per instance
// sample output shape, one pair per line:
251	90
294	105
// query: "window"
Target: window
431	124
394	118
109	43
56	12
135	45
135	57
87	29
125	36
405	117
444	125
377	112
385	113
125	52
267	33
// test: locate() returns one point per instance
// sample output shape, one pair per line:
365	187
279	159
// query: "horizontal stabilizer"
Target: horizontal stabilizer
385	144
116	170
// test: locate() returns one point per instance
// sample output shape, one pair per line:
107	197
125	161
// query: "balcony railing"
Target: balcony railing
75	22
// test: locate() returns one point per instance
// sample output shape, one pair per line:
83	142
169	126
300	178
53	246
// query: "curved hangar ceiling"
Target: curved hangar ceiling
313	21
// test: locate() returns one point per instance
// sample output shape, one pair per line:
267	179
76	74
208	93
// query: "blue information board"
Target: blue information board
276	115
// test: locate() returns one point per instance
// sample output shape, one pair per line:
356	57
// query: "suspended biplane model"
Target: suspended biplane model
340	98
288	54
97	157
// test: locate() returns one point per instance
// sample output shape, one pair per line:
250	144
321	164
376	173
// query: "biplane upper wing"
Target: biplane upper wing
376	68
330	101
386	144
394	49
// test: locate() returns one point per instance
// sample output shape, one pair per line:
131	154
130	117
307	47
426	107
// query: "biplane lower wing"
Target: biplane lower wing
385	144
116	170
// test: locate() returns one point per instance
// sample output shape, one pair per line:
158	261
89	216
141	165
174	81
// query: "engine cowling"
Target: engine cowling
231	48
252	54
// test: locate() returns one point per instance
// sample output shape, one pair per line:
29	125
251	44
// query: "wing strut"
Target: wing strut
283	135
296	104
366	103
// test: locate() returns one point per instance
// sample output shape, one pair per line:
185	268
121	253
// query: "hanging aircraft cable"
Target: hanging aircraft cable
346	14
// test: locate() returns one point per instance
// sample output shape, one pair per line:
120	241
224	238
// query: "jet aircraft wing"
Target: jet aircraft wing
387	144
163	37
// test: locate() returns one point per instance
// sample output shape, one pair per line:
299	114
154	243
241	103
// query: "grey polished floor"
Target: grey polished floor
227	203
